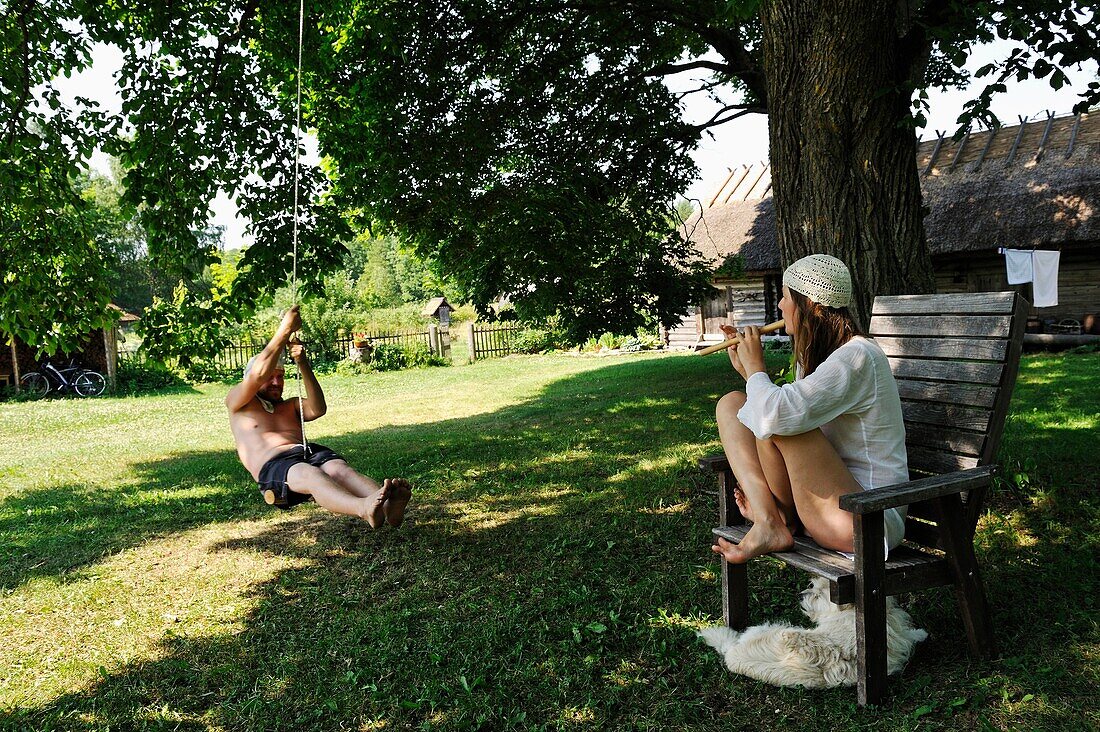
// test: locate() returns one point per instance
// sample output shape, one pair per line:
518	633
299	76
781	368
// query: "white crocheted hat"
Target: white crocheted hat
823	279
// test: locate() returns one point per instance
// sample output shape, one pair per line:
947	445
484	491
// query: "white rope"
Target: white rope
297	156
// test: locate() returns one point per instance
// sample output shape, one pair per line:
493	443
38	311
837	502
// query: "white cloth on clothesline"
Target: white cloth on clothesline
1019	265
1045	273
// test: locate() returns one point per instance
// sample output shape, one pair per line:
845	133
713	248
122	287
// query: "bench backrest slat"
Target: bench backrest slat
956	348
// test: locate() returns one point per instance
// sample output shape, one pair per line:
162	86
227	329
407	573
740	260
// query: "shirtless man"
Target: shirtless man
268	434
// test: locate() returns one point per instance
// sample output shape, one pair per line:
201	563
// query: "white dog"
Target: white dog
822	656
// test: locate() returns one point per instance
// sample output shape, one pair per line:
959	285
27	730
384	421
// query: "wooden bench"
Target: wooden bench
955	358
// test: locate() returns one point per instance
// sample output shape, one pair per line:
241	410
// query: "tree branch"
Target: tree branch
667	69
24	96
717	119
214	75
704	88
915	46
741	62
727	42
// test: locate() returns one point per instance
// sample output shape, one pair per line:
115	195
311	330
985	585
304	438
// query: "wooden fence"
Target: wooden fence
491	340
236	355
405	338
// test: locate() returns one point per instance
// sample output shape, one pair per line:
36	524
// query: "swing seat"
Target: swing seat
277	497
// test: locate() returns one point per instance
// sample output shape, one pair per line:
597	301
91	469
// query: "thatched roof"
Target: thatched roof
1025	186
1053	202
739	227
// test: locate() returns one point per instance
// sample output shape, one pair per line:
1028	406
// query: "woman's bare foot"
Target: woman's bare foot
400	491
742	503
761	539
374	507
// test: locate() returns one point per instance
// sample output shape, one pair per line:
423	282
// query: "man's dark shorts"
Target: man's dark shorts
273	473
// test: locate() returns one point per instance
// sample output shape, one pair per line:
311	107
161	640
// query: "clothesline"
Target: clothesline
1002	250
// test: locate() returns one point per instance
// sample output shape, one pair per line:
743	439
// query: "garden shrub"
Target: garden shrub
204	372
347	367
140	377
533	340
394	357
648	338
389	357
609	341
643	340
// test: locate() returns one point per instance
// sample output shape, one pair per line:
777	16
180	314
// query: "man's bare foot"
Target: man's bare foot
761	539
374	507
396	500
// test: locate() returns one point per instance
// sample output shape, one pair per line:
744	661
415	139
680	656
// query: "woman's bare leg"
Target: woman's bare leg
770	517
305	478
396	492
818	479
779	482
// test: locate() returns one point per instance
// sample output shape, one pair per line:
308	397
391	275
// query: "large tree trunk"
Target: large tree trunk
843	166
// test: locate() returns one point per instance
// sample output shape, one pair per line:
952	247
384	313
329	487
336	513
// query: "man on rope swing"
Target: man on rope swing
271	442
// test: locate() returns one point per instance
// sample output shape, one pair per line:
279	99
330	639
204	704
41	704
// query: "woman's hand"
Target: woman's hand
735	359
751	352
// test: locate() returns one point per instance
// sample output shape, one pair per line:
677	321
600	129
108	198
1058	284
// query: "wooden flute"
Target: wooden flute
769	328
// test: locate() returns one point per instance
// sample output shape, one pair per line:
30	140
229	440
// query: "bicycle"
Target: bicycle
77	379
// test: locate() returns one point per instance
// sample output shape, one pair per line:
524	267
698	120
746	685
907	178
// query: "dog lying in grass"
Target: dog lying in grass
818	657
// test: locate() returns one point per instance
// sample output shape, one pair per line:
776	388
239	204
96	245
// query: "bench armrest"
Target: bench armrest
714	463
915	491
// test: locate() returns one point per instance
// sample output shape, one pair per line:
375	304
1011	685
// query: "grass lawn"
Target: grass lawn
551	574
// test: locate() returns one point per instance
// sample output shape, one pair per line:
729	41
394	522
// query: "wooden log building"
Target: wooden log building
1035	185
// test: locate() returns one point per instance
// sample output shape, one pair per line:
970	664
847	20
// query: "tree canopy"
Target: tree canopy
527	148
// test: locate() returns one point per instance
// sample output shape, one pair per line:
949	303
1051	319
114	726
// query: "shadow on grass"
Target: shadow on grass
560	439
555	550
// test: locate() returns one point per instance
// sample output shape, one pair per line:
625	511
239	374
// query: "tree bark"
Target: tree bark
843	167
15	364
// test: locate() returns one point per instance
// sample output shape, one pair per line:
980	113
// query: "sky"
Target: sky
742	141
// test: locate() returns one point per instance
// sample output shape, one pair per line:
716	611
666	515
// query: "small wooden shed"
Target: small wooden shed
438	308
99	352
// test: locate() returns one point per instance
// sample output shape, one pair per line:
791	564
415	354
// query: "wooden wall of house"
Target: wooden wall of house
1078	280
747	302
684	334
744	304
733	302
26	361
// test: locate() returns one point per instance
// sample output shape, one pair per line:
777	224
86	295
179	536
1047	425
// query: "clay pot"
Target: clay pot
1091	324
1034	325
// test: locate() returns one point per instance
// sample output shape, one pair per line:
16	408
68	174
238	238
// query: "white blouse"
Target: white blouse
853	398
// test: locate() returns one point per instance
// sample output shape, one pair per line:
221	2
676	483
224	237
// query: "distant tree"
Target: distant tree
388	273
378	283
133	279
